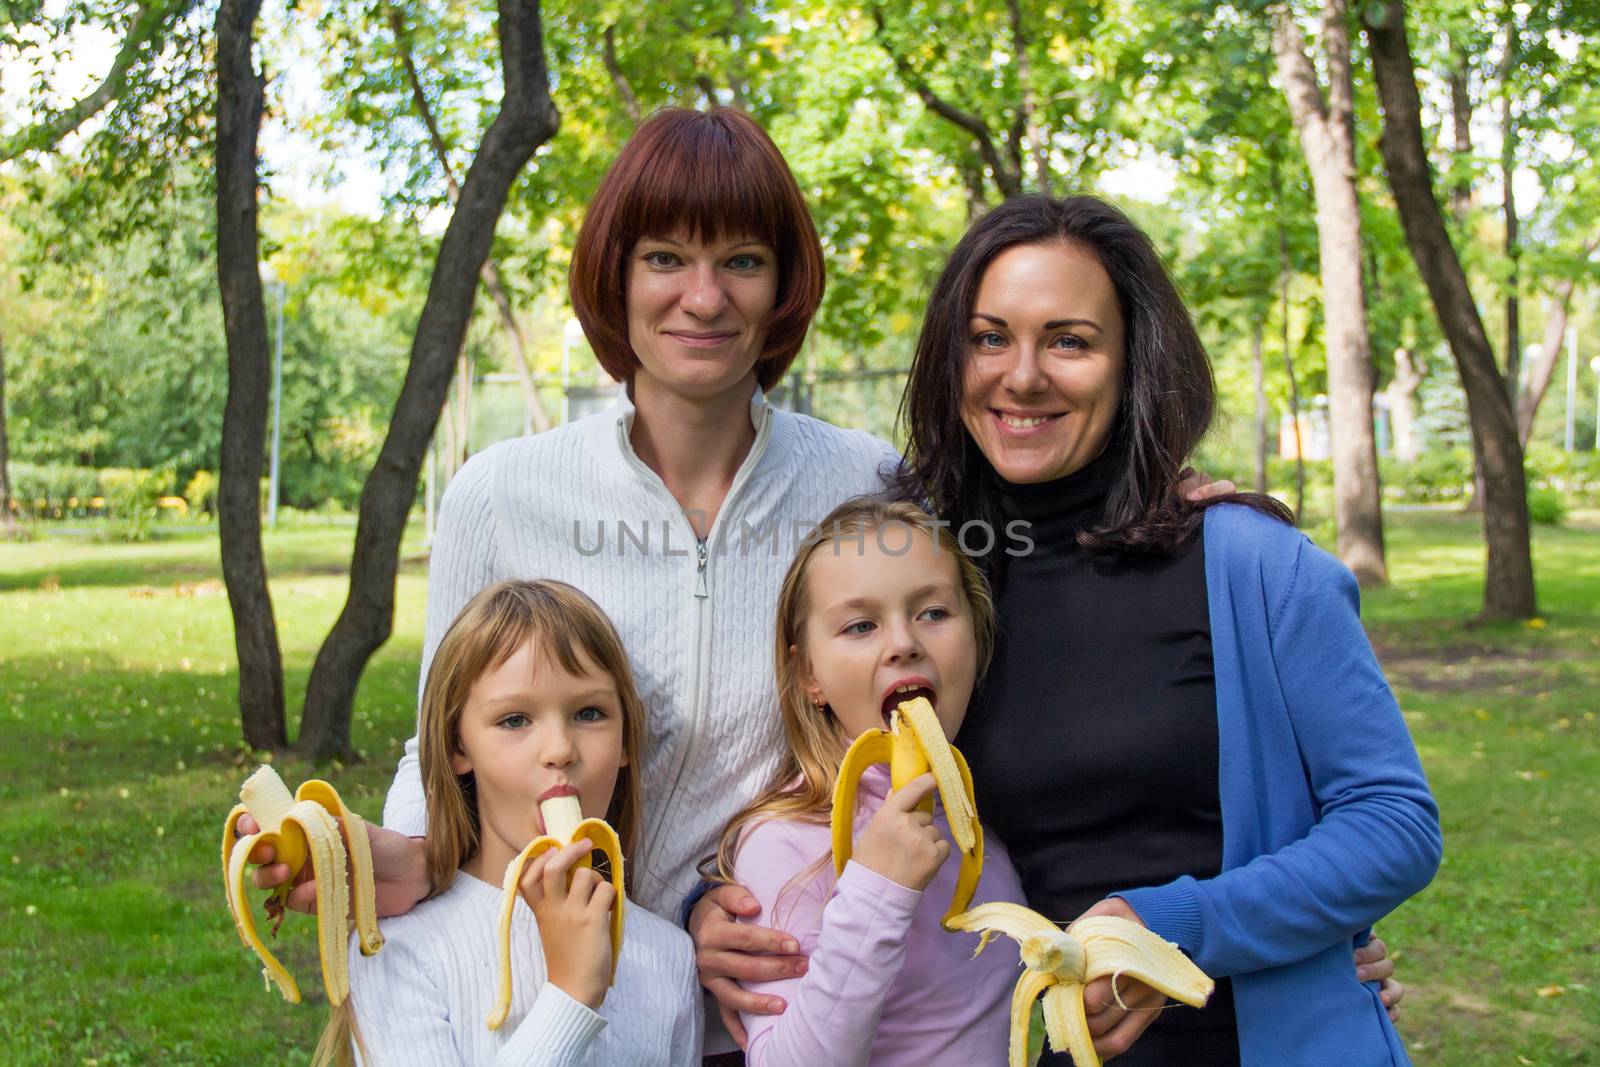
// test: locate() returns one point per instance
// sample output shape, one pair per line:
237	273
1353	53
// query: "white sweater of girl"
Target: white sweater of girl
423	1001
577	504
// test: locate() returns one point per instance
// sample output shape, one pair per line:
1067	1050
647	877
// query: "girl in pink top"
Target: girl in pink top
880	606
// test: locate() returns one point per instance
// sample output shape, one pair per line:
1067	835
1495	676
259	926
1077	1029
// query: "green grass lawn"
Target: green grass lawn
120	756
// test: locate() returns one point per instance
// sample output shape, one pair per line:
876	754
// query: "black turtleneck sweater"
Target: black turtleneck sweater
1093	736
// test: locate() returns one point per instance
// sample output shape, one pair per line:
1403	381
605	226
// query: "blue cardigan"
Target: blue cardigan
1327	821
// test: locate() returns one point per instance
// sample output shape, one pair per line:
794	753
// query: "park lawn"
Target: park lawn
121	756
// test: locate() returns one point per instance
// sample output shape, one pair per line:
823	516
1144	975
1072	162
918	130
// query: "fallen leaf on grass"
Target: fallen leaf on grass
1546	992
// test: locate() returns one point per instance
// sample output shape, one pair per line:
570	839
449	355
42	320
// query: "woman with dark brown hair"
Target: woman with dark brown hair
1183	723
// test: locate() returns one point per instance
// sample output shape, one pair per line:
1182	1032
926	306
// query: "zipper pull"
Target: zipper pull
700	569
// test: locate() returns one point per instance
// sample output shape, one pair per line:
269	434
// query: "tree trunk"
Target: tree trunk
1408	374
1258	375
1461	126
8	518
240	98
1544	368
1027	107
463	407
1508	591
1327	135
527	118
1294	392
1508	167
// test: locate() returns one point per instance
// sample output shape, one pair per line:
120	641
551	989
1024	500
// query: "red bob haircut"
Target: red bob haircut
710	173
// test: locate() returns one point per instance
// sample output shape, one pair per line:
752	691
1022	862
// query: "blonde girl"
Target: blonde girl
880	605
529	689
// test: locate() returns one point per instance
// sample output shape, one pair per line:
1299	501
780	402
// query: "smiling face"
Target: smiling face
1044	372
698	312
529	726
888	620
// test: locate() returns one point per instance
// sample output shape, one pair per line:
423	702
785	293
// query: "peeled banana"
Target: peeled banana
913	745
1059	963
563	824
302	828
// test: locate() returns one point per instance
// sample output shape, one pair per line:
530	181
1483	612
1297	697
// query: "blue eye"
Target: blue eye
1069	341
745	261
859	628
590	714
988	339
515	721
936	614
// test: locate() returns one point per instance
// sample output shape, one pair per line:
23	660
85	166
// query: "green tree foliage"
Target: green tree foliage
116	356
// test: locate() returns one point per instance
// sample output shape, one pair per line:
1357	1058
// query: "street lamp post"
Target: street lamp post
571	335
275	284
1594	365
1572	390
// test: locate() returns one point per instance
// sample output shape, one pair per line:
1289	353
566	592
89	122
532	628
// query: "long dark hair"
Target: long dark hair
1168	393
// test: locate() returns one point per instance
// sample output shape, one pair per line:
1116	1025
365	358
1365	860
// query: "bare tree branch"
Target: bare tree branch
1543	367
1028	110
147	25
630	101
1006	178
1461	126
537	421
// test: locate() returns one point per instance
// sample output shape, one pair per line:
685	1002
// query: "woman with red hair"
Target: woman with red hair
696	275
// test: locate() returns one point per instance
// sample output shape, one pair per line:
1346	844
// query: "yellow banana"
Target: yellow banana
913	745
301	828
1059	963
563	824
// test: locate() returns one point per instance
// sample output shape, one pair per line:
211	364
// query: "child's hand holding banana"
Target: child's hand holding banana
901	841
572	904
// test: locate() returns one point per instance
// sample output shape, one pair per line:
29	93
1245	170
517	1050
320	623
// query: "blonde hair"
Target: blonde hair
802	786
569	628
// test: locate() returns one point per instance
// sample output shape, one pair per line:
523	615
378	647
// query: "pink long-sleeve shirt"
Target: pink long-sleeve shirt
887	985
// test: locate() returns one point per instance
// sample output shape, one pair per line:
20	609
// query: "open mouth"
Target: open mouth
903	692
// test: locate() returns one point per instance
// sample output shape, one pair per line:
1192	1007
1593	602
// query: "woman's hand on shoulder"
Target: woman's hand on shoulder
573	907
399	870
728	952
1115	1026
902	843
1197	486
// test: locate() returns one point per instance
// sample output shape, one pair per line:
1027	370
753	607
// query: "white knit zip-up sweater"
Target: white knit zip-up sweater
424	1001
577	504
